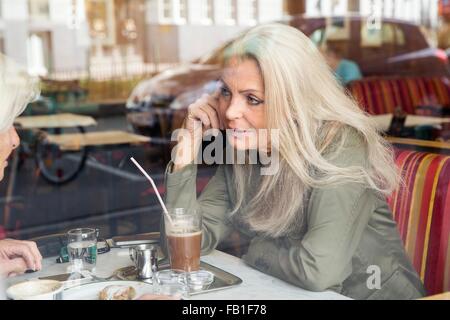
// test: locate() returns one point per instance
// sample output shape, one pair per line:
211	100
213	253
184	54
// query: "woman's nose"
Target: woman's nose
15	140
235	110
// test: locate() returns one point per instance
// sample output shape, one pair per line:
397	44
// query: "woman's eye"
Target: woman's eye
253	101
225	92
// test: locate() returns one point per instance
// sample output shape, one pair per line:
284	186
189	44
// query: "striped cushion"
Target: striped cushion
379	95
421	208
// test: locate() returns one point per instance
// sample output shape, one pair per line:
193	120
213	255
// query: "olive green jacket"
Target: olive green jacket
350	236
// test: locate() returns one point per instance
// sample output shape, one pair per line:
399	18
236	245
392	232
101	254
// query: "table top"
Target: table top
441	296
60	120
255	286
419	143
383	121
75	141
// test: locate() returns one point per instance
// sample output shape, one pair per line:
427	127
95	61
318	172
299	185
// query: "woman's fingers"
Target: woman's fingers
26	249
200	110
35	252
213	101
205	110
17	266
198	114
212	115
12	267
22	250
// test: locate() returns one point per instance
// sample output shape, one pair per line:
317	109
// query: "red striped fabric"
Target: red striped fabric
421	207
406	98
379	95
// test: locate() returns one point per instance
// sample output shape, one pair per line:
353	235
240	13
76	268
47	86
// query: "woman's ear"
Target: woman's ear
15	139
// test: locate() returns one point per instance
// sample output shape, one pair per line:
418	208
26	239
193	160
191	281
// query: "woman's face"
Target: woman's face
241	103
9	140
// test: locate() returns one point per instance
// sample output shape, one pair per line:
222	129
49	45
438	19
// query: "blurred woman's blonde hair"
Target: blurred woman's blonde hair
17	89
317	121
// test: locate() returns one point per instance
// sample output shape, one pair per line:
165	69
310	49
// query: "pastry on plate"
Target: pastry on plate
116	292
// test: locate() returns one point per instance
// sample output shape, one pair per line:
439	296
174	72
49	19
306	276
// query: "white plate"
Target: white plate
90	291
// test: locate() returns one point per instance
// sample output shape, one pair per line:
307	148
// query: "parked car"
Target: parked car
388	47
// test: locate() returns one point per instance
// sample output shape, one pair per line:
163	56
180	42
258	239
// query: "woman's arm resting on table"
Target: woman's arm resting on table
213	203
336	220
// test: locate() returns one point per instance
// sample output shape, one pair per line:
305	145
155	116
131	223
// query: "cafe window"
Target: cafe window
183	10
39	9
38	46
167	9
399	37
102	22
336	29
248	11
207	11
318	37
254	10
229	11
372	34
388	34
384	34
326	8
383	41
392	35
174	11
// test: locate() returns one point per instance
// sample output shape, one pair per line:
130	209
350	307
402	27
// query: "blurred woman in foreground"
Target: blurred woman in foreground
17	89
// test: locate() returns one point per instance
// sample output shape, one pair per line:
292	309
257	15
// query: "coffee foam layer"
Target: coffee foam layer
183	233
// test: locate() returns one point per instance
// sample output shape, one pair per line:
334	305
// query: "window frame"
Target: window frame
35	5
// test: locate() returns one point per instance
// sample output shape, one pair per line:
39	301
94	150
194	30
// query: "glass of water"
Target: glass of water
82	249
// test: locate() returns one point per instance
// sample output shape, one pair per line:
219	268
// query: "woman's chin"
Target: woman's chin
241	147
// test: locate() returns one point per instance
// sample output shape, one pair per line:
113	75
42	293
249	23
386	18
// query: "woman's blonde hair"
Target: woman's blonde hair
17	89
317	120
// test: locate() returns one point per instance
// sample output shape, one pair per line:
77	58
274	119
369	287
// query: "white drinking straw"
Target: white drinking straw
154	187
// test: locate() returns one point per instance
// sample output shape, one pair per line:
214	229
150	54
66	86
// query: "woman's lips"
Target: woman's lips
241	133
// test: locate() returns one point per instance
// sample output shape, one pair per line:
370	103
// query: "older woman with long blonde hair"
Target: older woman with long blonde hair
321	221
17	89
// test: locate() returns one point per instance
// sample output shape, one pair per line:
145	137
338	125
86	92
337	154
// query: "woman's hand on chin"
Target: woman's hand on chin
202	115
